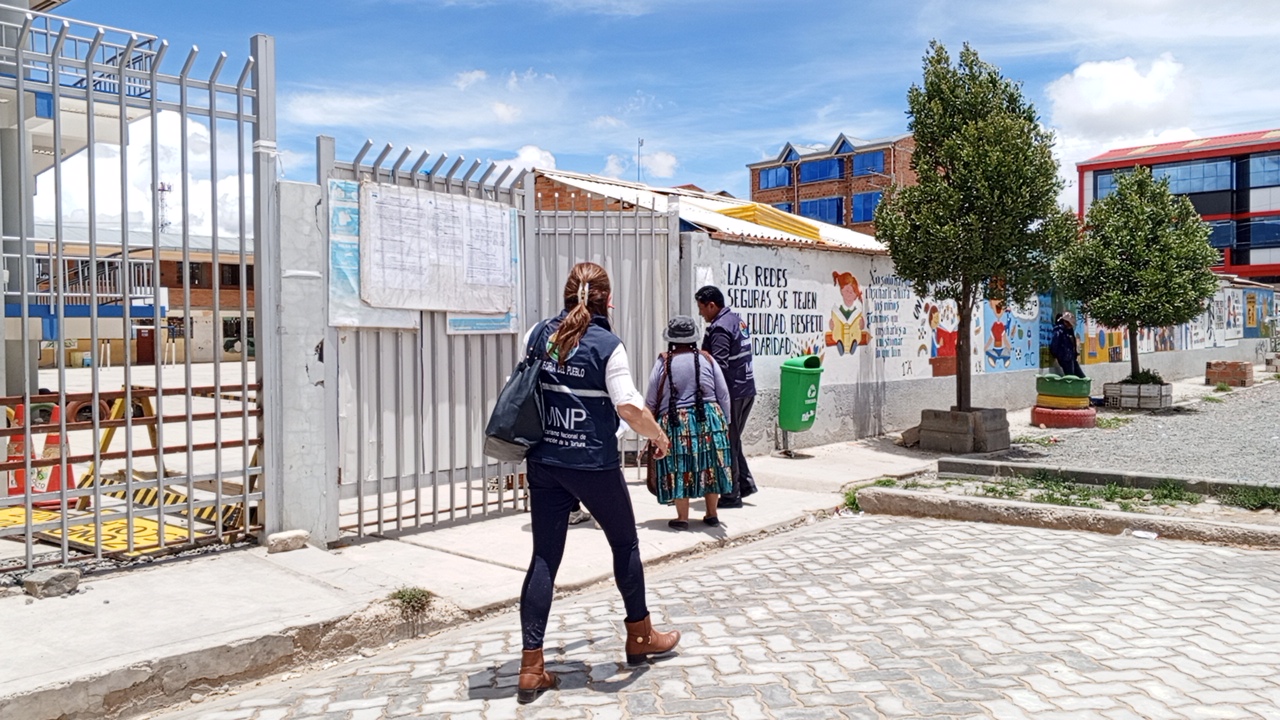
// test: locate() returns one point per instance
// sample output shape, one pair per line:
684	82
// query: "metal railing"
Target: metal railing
189	468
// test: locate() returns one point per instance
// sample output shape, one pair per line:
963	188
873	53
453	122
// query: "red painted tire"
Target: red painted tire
1054	418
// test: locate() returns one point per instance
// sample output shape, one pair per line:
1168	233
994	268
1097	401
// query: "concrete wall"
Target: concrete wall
792	300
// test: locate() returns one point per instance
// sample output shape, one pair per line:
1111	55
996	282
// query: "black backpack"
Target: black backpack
515	426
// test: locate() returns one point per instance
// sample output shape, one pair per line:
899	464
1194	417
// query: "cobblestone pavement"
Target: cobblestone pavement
866	617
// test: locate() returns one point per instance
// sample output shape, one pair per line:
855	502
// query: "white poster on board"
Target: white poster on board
424	250
346	309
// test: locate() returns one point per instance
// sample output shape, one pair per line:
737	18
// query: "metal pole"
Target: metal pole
268	360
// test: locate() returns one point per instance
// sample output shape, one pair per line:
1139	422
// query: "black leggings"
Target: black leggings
553	491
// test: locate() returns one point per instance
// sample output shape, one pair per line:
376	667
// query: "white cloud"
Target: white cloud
208	198
1116	98
506	113
464	80
615	166
660	164
607	121
529	157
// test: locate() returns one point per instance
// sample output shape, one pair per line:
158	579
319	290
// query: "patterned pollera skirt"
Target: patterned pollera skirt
700	462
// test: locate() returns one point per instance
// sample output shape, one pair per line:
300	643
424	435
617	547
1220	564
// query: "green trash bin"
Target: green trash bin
798	396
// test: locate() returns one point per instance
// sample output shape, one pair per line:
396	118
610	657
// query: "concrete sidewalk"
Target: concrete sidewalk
140	639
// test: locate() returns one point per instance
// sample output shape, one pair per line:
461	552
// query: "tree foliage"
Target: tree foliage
982	220
1144	260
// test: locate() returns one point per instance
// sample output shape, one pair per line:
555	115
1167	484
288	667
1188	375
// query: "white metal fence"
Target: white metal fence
135	173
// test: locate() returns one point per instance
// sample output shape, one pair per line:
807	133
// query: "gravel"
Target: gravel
1237	439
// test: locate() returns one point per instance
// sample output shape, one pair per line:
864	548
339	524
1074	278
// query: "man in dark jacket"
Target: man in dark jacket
728	341
1063	346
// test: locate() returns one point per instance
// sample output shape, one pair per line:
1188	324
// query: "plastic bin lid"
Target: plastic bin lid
809	363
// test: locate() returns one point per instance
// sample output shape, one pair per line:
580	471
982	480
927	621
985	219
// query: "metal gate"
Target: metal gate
412	402
128	245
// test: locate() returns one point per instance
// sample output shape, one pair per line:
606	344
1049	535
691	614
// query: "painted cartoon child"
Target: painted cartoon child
998	345
945	329
848	326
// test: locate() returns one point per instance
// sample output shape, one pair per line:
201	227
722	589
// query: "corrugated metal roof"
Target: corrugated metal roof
716	213
1197	145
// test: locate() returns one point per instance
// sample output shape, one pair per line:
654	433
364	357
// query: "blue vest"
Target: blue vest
739	375
580	424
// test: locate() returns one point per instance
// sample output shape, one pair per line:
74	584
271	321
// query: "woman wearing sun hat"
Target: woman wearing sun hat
689	396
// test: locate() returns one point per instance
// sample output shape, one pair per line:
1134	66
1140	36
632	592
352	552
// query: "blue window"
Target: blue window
792	156
829	169
864	206
1222	234
775	177
1104	183
1196	177
1264	233
828	210
1264	170
784	207
845	148
868	163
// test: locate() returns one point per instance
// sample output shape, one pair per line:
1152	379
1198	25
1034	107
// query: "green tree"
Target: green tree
1144	260
983	219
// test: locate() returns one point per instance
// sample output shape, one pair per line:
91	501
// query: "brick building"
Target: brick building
840	185
1232	180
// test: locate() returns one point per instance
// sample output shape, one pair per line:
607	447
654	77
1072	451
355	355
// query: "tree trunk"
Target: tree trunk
1133	349
964	354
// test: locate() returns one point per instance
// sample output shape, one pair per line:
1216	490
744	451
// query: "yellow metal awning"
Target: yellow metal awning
774	218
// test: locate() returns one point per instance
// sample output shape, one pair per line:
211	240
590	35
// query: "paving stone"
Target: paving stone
868	618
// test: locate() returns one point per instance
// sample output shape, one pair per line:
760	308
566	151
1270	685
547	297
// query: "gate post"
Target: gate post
266	265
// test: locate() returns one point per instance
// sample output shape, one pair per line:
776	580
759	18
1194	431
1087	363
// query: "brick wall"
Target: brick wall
897	163
1235	374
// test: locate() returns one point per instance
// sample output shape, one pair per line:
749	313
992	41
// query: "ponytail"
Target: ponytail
699	411
586	293
672	416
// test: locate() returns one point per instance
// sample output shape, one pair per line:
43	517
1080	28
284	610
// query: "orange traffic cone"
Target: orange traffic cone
50	479
17	478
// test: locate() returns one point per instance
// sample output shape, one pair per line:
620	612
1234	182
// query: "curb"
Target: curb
162	682
889	501
972	467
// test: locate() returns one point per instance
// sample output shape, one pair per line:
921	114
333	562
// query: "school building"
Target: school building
839	185
1232	180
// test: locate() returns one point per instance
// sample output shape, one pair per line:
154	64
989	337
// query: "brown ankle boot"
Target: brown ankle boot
643	641
533	678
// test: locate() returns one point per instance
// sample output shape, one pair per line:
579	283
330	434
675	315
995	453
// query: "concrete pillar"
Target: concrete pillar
305	500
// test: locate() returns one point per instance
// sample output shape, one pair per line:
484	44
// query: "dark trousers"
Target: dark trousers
553	491
740	410
1071	366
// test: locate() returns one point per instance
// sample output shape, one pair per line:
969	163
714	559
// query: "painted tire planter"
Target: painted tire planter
1055	418
1063	386
1062	403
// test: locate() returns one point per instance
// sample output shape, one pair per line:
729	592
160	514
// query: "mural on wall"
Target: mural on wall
1011	338
1258	309
782	319
1234	313
866	322
940	335
847	329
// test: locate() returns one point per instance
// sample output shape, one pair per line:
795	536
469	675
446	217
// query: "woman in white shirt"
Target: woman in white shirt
586	387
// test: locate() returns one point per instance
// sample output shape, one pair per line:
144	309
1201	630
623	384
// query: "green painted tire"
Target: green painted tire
1063	386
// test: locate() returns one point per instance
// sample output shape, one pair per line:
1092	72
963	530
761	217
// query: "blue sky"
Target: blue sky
712	85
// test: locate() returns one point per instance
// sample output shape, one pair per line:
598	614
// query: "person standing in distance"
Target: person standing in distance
1064	346
586	386
728	341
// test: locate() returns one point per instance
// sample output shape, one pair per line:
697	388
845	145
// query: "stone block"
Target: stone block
288	540
979	430
51	583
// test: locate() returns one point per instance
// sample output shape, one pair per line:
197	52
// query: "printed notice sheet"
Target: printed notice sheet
346	309
423	250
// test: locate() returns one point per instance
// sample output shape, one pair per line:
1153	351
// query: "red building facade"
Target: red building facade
1232	180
